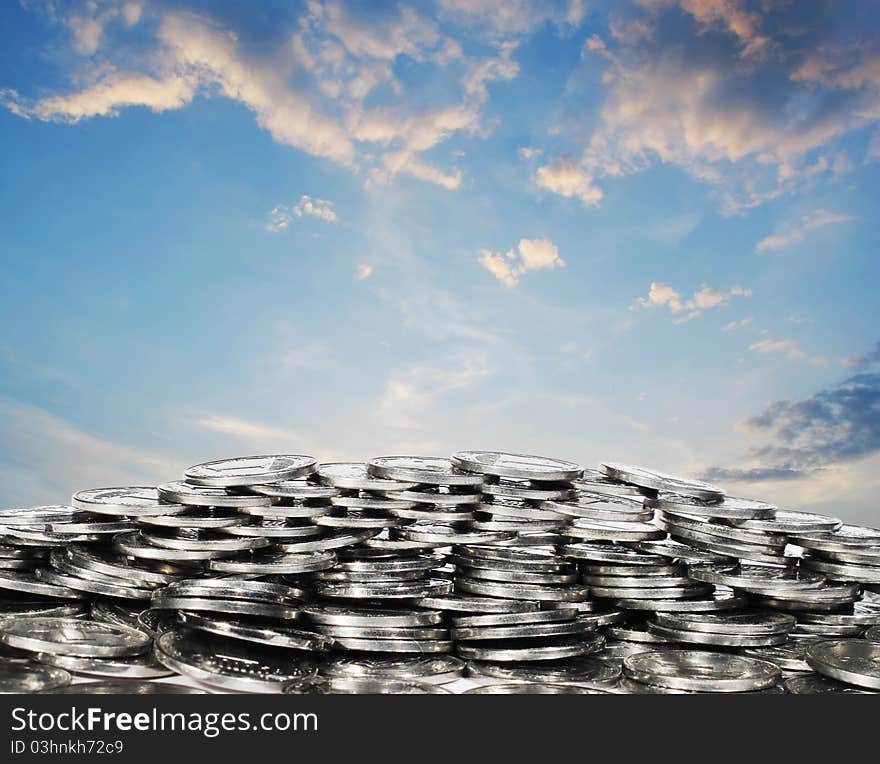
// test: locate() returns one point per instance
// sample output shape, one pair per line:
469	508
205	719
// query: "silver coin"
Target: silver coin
645	571
136	545
863	614
517	577
127	501
707	533
711	639
639	582
873	634
827	630
294	489
824	597
204	543
110	611
290	510
790	656
816	684
731	508
514	509
227	607
446	535
134	667
420	646
358	520
436	669
483	522
839	571
517	466
332	539
661	481
112	564
235	588
353	476
858	555
62	565
517	631
597	551
583	670
791	521
521	559
514	591
381	632
701	671
91	585
29	584
615	651
229	664
603	530
525	490
385	590
534	688
89	528
748	552
416	563
362	686
376	503
683	552
594	481
126	687
21	678
195	518
741	623
599	619
559	615
47	608
717	601
73	636
276	564
760	580
619	593
532	650
273	529
250	470
438	498
432	515
430	470
852	535
338	615
640	634
201	496
725	533
589	506
463	603
40	516
853	661
275	635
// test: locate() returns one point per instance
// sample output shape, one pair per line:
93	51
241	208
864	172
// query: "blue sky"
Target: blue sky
641	231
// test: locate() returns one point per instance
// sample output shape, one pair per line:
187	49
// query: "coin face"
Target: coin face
701	671
130	501
250	470
816	684
853	661
517	466
30	678
230	664
422	469
661	481
72	636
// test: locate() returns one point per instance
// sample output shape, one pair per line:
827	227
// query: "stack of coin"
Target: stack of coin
699	671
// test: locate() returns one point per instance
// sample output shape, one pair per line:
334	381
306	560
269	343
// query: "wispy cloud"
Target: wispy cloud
785	345
530	255
743	322
281	216
795	234
247	430
707	297
364	271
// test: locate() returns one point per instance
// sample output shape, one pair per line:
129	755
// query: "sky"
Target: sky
641	231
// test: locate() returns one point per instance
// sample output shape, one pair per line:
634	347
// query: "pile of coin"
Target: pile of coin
404	574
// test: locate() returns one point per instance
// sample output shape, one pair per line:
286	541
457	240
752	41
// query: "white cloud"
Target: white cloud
247	430
565	177
795	234
44	458
707	297
364	271
281	216
529	152
743	322
531	255
787	345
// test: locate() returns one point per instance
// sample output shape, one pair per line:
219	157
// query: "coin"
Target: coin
717	640
790	521
294	489
27	678
195	518
582	670
128	501
532	649
511	619
701	671
339	615
463	603
275	564
760	580
598	507
394	645
47	575
29	584
353	476
839	571
790	656
683	552
660	481
518	631
534	688
517	466
274	635
72	636
250	470
742	623
202	496
112	564
204	542
38	516
126	687
513	591
384	590
230	607
731	508
436	669
446	534
431	470
136	545
526	490
134	667
362	686
816	684
230	664
873	634
599	530
853	661
597	551
863	614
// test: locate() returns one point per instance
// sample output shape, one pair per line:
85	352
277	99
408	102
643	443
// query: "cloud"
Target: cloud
504	19
786	345
565	177
797	233
737	324
835	425
247	430
44	458
312	87
364	271
411	394
707	297
281	216
531	255
529	152
751	99
860	361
